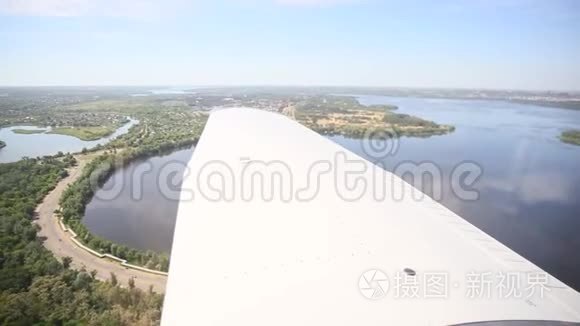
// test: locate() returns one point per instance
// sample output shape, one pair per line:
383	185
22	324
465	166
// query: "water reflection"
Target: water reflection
146	223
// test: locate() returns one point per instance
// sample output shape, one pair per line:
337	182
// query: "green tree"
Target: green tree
66	262
114	279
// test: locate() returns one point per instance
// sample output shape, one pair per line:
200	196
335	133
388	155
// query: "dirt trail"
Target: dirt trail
61	245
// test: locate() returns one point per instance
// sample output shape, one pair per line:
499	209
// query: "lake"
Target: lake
528	192
41	144
146	220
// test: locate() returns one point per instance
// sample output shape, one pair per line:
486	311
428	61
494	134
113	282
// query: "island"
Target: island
84	133
341	115
28	131
571	137
2	144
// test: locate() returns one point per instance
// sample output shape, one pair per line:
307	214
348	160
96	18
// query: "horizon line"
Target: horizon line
293	86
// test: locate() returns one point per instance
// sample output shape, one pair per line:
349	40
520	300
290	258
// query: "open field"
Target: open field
83	133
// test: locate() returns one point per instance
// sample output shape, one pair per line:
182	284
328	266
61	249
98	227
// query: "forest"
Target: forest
35	288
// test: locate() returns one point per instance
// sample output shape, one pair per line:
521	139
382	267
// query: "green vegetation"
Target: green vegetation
34	287
159	131
44	106
28	131
571	137
339	115
84	133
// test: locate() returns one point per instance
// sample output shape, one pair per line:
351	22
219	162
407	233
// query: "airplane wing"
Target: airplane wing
273	229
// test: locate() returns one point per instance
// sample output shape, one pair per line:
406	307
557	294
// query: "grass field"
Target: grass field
83	133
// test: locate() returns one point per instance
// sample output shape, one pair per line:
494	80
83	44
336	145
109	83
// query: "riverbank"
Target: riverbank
62	245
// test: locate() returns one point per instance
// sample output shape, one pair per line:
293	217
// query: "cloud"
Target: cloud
72	8
125	8
313	2
534	188
44	8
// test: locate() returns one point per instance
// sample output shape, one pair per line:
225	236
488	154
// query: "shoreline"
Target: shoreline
61	244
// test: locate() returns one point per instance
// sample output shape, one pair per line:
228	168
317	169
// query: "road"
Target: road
61	245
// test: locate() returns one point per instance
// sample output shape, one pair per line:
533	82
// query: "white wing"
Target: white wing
317	257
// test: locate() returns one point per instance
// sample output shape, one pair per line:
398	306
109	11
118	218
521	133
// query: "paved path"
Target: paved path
59	242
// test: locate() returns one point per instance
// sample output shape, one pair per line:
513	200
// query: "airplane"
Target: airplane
273	229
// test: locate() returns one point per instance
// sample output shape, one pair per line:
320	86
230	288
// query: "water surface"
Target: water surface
528	193
41	144
140	215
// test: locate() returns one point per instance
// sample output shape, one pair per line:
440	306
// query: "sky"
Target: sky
507	44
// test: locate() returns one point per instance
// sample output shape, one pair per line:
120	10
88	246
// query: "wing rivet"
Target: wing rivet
409	272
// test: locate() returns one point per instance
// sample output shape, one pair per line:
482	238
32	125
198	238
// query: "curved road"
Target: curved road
61	245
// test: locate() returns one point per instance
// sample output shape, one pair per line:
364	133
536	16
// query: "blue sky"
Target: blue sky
516	44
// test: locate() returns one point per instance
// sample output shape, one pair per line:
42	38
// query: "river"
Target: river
41	144
528	191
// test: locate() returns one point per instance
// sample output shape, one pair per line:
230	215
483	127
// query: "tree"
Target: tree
114	280
82	281
66	262
35	287
131	283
